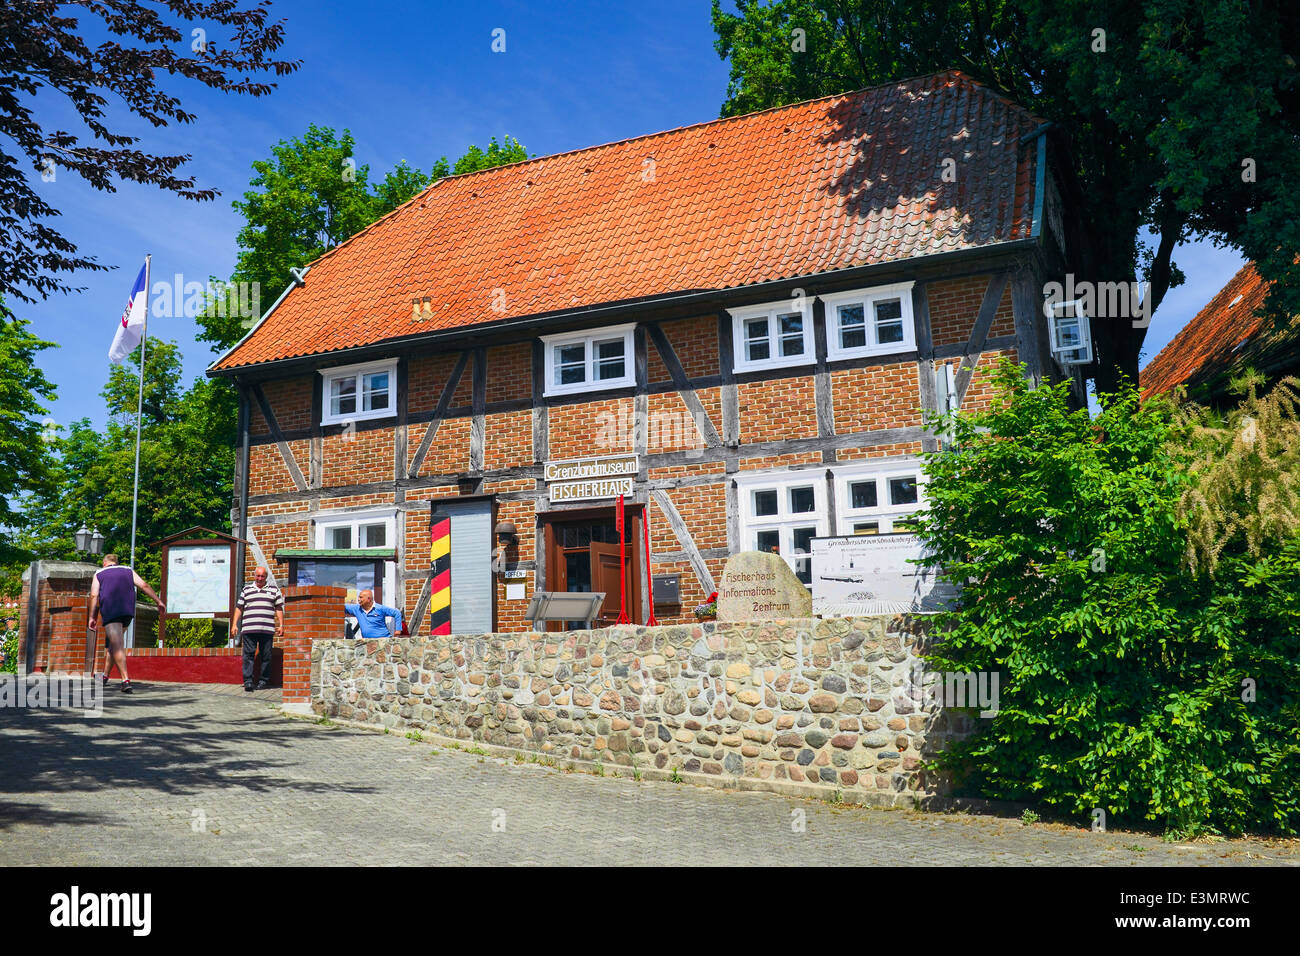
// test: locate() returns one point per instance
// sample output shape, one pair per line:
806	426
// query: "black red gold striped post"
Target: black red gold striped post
440	570
649	578
622	564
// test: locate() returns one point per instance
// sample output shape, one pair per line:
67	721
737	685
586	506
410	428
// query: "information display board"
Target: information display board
854	575
198	579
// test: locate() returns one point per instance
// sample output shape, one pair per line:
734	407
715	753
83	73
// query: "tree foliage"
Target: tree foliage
1245	496
186	464
1121	674
1180	116
24	462
48	50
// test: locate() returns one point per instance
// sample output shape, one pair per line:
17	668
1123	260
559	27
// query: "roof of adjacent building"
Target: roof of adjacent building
1228	334
833	183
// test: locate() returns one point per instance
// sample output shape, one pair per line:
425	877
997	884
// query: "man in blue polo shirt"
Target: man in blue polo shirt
372	618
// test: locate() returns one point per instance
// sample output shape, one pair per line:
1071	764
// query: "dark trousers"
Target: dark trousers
252	643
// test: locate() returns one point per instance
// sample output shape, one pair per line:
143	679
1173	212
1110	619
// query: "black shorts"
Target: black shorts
124	620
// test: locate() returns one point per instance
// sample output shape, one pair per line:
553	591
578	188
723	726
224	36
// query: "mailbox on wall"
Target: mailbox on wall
667	589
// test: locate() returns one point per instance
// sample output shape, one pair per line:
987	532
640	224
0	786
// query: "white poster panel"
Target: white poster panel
198	579
862	574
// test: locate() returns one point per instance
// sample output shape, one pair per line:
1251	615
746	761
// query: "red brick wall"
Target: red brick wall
270	538
449	452
508	440
1004	321
267	473
290	401
590	428
877	396
671	426
310	614
955	304
426	376
756	462
510	373
777	409
879	451
980	393
356	458
696	343
61	611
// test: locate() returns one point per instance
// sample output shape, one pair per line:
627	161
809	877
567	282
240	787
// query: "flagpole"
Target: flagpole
139	414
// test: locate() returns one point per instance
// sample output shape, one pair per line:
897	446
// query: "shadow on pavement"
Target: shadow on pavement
166	738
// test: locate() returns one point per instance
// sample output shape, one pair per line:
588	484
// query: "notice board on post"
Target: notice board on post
198	576
862	574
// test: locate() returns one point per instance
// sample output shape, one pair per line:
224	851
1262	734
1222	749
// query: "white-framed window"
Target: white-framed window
589	361
363	529
781	514
350	532
773	335
353	393
878	498
1071	335
876	321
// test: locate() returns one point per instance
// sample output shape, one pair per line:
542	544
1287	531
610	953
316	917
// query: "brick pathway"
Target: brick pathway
194	774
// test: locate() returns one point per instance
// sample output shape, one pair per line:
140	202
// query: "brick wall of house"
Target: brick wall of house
590	428
508	440
448	453
290	401
875	397
426	377
510	373
352	458
777	409
980	392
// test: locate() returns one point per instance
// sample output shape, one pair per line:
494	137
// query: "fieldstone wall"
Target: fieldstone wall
831	704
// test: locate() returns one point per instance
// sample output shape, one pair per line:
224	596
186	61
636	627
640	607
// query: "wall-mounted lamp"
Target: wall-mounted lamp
507	534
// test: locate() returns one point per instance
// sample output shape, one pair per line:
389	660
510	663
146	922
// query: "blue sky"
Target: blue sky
412	81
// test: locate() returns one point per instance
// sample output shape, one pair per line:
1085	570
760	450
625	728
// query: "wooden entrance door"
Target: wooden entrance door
583	555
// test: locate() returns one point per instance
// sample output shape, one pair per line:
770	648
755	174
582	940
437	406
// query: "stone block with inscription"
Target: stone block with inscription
756	586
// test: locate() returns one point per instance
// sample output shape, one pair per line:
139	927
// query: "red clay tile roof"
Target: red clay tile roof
1226	333
842	181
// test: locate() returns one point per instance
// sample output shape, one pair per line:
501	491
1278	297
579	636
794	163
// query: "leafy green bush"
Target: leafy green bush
195	632
1120	671
9	651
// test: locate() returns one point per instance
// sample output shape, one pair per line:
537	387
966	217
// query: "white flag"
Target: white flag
131	326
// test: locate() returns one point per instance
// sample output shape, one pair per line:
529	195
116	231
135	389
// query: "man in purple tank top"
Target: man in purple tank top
112	593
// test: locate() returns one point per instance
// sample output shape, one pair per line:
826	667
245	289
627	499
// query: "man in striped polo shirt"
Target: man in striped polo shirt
259	619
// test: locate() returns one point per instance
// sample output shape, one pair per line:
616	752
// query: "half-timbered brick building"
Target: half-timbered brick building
739	325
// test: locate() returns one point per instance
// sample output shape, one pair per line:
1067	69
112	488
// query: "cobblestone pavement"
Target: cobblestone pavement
194	774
